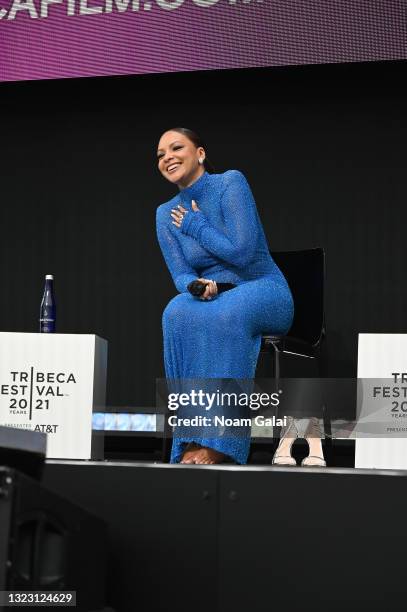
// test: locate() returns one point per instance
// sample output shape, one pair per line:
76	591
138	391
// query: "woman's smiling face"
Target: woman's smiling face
178	158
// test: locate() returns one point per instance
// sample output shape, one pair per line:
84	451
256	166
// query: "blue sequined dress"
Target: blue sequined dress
219	338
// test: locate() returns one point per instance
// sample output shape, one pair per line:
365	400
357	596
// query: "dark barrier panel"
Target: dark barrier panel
312	540
162	531
231	539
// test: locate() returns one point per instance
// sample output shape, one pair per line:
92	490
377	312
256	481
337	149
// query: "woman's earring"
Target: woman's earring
201	161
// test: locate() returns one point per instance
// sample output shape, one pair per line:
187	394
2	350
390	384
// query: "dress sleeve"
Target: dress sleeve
182	273
237	243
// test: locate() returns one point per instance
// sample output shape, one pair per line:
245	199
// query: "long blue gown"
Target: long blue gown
219	338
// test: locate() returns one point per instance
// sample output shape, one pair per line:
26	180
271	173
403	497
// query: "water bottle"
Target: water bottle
48	307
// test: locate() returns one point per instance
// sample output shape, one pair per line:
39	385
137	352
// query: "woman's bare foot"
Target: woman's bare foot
208	456
189	453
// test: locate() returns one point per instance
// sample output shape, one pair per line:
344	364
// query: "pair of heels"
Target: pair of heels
291	432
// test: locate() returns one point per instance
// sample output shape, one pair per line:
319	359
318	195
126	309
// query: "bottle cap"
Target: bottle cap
49	277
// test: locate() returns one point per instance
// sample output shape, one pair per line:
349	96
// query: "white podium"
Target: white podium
52	383
379	357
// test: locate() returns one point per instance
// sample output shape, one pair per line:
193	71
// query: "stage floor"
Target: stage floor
225	467
231	538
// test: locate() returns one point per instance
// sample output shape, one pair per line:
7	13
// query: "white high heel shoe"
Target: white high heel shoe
313	431
290	431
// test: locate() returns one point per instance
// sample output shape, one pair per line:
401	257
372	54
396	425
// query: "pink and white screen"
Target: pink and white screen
45	39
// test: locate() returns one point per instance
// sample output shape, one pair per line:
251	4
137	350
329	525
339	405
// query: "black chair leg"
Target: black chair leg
328	444
276	362
327	420
166	450
276	372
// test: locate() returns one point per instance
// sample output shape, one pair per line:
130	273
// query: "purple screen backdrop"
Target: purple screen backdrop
43	39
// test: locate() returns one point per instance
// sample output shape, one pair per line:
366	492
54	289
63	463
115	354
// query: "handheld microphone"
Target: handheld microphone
197	288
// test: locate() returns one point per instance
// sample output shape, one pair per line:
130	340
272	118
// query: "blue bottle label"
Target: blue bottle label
47	325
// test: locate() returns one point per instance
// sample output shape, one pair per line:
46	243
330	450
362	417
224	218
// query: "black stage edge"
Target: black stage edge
232	538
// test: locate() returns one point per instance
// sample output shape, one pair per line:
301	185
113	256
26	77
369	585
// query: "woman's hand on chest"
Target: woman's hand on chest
179	213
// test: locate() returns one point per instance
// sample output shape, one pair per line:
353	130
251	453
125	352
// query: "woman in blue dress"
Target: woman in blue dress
211	231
